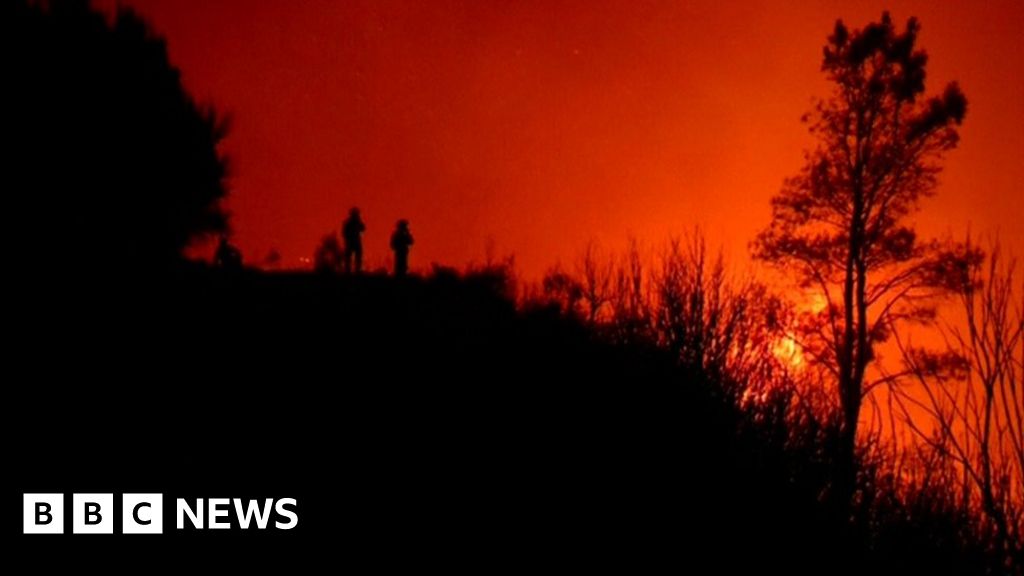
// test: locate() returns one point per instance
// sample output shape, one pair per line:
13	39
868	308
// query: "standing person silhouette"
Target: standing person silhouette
352	233
401	240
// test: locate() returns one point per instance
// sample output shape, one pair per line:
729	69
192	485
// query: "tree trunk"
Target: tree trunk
848	400
854	357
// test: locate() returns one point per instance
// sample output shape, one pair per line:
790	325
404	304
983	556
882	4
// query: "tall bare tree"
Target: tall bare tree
595	272
631	296
842	224
975	413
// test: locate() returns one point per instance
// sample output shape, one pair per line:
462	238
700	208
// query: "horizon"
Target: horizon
533	129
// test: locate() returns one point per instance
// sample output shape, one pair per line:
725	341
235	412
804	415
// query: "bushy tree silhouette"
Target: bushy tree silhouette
111	164
842	225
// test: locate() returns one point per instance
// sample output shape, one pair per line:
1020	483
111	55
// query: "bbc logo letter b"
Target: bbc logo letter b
92	514
43	514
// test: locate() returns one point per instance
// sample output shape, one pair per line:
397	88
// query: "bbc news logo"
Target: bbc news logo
143	513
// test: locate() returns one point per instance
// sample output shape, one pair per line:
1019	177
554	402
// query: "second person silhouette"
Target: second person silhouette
401	241
352	234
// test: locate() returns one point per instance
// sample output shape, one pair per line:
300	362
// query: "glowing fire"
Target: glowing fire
789	352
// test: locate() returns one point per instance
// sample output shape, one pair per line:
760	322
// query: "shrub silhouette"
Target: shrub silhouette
329	256
764	437
112	164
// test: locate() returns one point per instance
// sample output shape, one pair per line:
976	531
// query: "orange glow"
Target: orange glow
542	125
789	352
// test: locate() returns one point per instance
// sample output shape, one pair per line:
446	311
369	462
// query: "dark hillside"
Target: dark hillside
424	421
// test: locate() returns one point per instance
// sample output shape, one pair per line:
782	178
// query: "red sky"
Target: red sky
542	124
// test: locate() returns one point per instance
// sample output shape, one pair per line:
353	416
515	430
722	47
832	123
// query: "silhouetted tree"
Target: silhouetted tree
631	297
561	288
110	162
715	326
841	225
595	273
976	410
